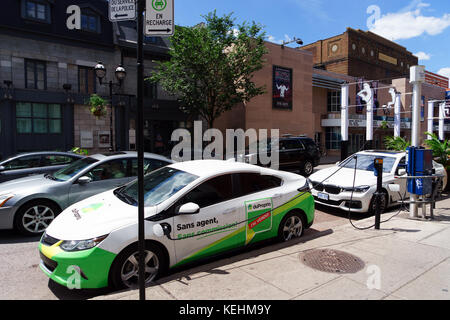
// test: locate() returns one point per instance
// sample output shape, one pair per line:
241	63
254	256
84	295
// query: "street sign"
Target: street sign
121	10
159	18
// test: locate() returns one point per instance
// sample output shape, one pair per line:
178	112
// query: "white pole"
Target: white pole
417	77
344	112
369	124
441	121
430	117
397	119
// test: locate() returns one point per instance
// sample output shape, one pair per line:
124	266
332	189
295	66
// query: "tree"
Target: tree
396	143
440	149
212	64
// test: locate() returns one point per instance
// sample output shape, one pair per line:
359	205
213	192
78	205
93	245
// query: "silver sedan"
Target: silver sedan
30	204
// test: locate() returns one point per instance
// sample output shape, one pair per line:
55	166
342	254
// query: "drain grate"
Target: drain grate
332	261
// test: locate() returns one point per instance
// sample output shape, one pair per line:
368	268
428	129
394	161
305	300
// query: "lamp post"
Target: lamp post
120	73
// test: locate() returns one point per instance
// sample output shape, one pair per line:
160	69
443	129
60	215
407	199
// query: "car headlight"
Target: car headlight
360	189
79	245
5	198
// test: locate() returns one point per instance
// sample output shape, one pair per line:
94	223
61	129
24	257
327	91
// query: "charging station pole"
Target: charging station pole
417	77
378	165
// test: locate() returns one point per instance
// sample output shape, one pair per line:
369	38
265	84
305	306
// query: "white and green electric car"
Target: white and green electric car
193	210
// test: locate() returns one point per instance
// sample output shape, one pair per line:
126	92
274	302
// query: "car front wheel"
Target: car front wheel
125	269
33	218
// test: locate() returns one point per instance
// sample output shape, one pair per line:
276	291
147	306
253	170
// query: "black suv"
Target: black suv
296	153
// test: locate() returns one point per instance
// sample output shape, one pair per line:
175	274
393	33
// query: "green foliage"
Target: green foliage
396	143
212	65
97	105
441	150
78	150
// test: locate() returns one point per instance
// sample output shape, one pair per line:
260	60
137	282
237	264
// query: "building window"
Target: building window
90	22
150	90
38	118
37	10
86	80
35	74
334	101
333	138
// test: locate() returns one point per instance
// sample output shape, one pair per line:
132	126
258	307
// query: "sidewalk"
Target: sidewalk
412	257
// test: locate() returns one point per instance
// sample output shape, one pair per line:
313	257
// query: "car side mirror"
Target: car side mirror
2	168
189	208
84	180
338	163
401	172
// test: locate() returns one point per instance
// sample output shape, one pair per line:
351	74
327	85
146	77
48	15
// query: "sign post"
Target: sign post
159	18
121	10
140	146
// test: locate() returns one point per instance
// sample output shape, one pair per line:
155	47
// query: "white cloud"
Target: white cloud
410	23
279	41
444	72
423	56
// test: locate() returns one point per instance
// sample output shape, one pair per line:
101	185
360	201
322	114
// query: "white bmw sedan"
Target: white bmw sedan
334	187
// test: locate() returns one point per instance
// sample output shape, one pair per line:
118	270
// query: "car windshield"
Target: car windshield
159	185
366	162
72	169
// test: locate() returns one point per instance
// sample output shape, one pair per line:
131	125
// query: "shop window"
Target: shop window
86	80
334	101
333	138
38	118
35	74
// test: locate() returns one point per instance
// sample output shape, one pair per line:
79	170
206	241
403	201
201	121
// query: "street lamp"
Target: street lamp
100	72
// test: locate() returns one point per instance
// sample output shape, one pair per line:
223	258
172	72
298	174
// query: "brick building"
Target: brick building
360	53
47	75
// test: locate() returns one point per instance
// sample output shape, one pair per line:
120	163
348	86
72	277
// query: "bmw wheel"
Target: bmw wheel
383	203
291	226
125	270
33	218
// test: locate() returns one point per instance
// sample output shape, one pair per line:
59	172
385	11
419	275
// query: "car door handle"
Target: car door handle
276	196
231	210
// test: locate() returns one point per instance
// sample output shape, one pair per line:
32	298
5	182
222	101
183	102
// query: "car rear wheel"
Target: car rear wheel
125	269
308	168
34	217
291	226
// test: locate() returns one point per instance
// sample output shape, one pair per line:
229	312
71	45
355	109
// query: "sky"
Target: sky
422	26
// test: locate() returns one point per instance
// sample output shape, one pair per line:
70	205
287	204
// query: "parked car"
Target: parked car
336	191
206	206
29	204
296	153
25	164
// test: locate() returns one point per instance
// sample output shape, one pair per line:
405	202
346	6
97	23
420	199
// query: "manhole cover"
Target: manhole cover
332	261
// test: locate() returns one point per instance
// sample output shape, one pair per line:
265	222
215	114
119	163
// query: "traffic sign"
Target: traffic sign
121	10
159	18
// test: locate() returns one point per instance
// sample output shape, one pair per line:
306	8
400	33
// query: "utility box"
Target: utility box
417	74
419	162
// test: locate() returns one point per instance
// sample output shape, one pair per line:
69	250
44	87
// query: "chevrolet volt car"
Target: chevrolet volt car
29	204
193	210
334	187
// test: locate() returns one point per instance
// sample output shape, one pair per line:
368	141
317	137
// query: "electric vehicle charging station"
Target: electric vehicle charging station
419	162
